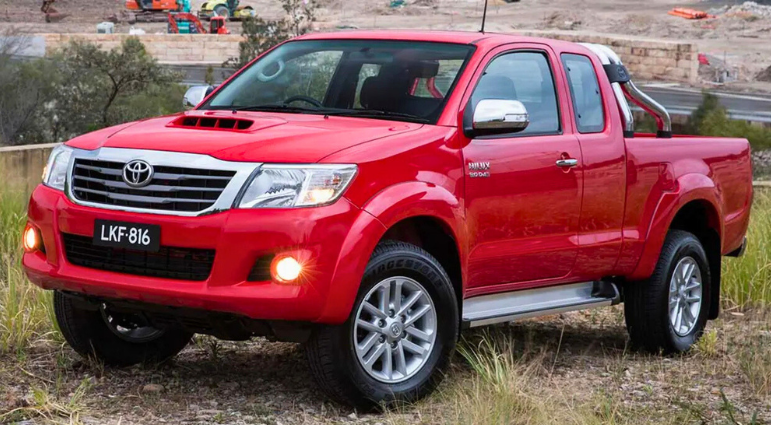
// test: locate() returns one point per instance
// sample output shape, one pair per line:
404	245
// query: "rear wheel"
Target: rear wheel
668	312
115	339
400	335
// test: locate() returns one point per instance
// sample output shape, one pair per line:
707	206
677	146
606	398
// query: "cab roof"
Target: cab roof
487	39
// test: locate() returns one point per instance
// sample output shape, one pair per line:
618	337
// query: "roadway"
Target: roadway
677	99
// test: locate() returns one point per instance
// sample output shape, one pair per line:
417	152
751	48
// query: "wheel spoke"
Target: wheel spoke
371	309
369	361
414	348
692	285
691	300
369	342
401	361
688	271
385	298
410	302
417	315
397	301
388	362
688	316
417	333
368	326
679	320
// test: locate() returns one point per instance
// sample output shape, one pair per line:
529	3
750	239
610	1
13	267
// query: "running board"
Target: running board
515	305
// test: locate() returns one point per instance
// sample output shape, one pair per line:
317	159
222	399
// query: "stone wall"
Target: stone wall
167	48
646	59
21	167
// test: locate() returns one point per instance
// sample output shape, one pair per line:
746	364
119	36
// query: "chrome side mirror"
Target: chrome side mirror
499	116
195	95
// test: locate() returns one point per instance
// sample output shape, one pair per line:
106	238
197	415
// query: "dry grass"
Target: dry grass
25	311
747	280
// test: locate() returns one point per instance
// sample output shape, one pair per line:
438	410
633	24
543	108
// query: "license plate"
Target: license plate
119	234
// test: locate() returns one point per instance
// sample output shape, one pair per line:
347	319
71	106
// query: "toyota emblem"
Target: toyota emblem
137	173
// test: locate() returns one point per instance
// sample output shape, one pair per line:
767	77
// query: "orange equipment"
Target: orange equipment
184	22
154	10
686	13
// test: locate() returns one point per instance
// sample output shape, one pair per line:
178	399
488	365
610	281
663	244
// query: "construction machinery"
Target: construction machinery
52	15
229	9
187	23
154	10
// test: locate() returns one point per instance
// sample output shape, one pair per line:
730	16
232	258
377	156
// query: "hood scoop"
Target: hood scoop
213	123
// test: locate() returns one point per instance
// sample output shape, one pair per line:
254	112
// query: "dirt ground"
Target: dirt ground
581	362
742	40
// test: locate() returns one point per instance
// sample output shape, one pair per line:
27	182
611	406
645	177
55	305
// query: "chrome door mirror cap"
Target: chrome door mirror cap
195	95
499	116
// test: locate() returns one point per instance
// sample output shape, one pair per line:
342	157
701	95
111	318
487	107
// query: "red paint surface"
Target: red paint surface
530	224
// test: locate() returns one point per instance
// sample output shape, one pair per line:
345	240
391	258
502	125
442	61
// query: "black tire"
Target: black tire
222	10
646	303
86	331
331	352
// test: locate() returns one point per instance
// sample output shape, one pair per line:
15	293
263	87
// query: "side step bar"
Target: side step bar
515	305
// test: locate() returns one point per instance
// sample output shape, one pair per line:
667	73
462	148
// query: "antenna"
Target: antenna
484	18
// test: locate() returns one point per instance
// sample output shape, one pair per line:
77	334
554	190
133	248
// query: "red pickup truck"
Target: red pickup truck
371	194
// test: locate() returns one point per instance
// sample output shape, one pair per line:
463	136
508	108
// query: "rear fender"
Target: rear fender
388	207
689	187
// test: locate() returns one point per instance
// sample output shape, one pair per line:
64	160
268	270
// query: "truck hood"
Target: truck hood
262	137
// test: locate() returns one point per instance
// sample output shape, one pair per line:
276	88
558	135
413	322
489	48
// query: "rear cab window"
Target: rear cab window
585	93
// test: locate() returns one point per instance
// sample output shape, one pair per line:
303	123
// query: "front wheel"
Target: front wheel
115	339
400	335
668	312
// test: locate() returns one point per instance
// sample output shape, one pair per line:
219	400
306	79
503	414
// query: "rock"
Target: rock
352	416
152	388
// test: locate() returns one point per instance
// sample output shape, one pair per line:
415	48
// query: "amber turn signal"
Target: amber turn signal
31	239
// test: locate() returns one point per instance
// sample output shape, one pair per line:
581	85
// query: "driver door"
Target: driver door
523	208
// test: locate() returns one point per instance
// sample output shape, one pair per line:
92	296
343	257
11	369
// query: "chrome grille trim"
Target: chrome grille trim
159	159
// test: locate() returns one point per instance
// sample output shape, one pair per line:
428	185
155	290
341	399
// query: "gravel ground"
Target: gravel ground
581	359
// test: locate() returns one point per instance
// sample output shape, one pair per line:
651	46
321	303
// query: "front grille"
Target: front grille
168	262
171	189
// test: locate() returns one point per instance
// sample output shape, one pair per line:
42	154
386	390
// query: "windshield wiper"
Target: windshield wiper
373	113
277	107
377	114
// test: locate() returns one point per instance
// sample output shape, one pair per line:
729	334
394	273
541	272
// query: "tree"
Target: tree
120	72
260	34
22	90
80	89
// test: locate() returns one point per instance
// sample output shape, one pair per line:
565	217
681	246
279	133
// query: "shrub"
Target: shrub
711	119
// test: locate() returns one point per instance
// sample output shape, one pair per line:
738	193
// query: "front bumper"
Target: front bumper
335	241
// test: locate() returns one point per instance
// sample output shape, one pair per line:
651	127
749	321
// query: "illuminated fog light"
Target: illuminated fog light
31	239
287	269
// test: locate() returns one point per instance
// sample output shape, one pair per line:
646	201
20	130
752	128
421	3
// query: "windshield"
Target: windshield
398	80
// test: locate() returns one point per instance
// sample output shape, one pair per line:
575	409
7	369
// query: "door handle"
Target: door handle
567	163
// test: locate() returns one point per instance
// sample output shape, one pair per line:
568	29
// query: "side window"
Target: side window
526	77
585	92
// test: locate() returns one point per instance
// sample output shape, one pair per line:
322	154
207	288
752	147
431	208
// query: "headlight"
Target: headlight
55	172
286	186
